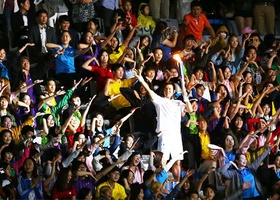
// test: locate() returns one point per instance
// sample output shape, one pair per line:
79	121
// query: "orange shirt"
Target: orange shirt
196	27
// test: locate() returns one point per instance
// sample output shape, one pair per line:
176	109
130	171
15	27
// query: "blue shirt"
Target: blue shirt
230	156
278	173
247	176
4	71
65	62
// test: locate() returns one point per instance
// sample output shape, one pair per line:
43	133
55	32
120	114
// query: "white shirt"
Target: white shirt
43	35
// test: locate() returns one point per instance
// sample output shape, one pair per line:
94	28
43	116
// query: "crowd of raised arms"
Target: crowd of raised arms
125	107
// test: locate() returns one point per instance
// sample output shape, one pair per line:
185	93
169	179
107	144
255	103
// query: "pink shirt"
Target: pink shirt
138	175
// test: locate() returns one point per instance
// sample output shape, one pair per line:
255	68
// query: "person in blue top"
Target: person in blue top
165	38
29	182
244	174
64	59
3	69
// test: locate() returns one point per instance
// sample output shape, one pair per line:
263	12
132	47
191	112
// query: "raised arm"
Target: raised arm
83	120
86	64
152	94
128	38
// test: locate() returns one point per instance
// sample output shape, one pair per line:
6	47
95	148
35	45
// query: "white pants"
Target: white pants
170	144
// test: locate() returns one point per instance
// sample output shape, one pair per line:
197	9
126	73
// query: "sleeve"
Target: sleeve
214	58
122	193
23	188
56	109
39	191
94	68
21	160
173	194
70	158
258	161
206	22
226	172
115	145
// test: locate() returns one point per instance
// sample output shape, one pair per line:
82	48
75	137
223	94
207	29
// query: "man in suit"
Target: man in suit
22	21
41	34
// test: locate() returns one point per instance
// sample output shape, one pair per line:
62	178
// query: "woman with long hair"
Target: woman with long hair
29	182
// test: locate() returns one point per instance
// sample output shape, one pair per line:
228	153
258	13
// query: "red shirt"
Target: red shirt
196	27
66	194
102	74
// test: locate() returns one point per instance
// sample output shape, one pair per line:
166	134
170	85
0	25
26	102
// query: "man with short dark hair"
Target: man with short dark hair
64	25
40	35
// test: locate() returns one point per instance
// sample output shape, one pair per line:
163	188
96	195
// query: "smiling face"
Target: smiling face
114	176
26	99
65	38
65	25
129	141
229	141
242	161
140	195
104	58
50	121
114	42
238	123
2	54
248	78
266	109
135	160
252	54
7	138
227	73
199	75
222	90
7	122
130	177
88	38
51	86
168	91
202	125
158	55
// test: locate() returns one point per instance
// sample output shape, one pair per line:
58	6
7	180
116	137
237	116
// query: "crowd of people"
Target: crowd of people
81	103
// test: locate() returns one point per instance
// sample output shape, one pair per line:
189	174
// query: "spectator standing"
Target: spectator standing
22	21
264	16
160	9
195	22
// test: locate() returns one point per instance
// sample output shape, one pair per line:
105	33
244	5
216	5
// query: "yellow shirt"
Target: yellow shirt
252	156
118	191
115	56
205	151
114	89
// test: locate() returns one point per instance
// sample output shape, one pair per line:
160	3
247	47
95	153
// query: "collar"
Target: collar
42	26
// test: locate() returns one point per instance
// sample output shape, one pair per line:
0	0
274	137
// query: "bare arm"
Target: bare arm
86	64
172	43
